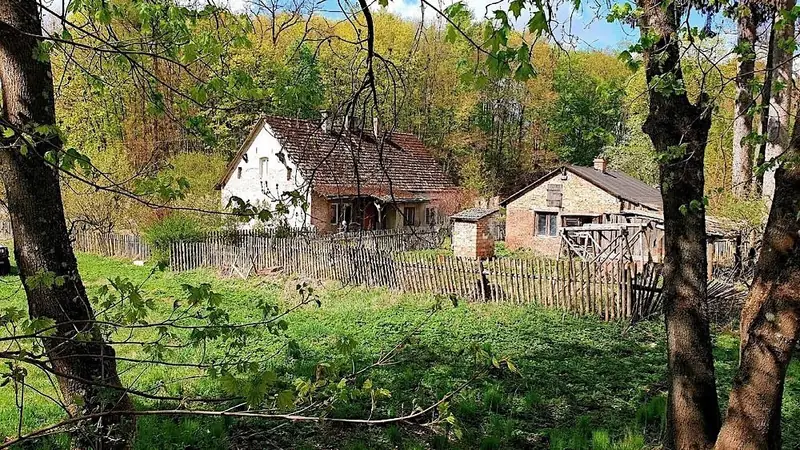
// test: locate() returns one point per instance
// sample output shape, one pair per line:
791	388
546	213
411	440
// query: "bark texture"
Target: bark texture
88	378
770	322
679	132
743	117
781	98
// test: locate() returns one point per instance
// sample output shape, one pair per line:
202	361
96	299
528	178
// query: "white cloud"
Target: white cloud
407	9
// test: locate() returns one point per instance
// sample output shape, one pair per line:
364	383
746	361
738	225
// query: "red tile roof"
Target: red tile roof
353	159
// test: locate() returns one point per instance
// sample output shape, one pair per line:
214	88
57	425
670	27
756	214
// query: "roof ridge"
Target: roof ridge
350	157
619	184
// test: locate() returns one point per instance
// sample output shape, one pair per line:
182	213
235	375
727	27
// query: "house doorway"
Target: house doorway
370	216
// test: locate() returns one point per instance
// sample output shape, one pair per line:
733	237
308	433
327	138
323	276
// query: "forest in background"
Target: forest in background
492	134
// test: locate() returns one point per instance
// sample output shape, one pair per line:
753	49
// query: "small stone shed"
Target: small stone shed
573	196
471	237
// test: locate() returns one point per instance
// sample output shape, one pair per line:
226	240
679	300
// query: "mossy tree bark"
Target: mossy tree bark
679	129
86	366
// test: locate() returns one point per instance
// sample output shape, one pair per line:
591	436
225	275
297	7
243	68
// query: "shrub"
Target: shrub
175	227
653	413
494	398
394	435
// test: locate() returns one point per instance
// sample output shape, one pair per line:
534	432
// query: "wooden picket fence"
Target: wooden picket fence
248	243
613	290
379	240
128	246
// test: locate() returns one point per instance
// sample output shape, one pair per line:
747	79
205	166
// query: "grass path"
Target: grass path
582	383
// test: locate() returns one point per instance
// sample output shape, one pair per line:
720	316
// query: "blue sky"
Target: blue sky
586	28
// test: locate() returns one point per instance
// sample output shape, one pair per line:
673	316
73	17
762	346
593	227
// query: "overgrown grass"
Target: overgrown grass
582	383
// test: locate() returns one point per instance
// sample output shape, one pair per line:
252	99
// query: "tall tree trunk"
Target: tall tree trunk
766	98
781	101
41	242
770	322
743	117
679	132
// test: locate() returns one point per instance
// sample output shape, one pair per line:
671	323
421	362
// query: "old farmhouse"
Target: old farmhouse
349	177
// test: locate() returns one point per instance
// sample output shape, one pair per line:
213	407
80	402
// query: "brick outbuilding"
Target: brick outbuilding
573	196
471	237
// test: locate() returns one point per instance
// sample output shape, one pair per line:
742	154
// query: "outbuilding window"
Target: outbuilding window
546	223
262	168
430	216
578	221
554	195
410	215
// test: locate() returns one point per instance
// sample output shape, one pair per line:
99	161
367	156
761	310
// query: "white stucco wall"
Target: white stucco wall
248	187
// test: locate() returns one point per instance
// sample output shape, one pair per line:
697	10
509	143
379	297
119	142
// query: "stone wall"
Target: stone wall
578	196
465	239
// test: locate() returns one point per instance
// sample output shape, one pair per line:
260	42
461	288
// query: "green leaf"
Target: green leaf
516	7
42	50
285	400
511	367
524	71
538	23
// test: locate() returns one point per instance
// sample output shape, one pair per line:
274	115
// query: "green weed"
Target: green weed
582	383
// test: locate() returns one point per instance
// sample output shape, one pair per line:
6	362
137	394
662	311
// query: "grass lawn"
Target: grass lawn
582	383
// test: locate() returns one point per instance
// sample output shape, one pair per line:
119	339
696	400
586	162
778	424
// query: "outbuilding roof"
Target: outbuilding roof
616	183
389	162
473	214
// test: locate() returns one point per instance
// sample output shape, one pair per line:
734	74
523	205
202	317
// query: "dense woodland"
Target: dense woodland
493	134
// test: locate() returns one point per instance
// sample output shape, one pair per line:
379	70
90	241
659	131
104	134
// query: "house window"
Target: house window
409	215
239	172
578	221
554	195
430	216
288	174
262	167
340	212
546	224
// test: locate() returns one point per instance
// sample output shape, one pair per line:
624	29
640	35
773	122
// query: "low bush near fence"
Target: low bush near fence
173	228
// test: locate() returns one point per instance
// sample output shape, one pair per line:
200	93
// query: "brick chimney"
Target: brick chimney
600	164
326	121
351	123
